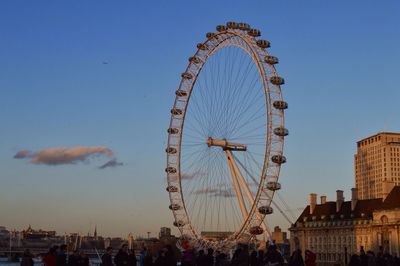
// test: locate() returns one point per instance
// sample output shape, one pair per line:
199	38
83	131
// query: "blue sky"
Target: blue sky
339	59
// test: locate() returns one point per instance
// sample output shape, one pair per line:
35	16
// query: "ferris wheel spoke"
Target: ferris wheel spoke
247	122
245	92
245	107
242	99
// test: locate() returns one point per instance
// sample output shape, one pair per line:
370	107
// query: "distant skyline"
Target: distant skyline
86	90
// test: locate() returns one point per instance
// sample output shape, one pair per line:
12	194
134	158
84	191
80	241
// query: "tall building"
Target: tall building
377	165
164	232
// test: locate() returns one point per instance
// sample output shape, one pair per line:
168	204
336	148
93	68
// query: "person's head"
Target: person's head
63	248
201	252
109	250
164	251
124	247
210	251
76	252
27	252
51	251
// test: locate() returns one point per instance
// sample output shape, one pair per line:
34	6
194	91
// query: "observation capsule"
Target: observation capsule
278	159
281	131
281	105
174	207
221	28
170	170
179	223
202	46
273	186
254	32
272	60
256	230
243	26
194	60
173	130
232	25
181	93
263	43
210	35
277	80
170	150
176	111
265	210
187	75
172	189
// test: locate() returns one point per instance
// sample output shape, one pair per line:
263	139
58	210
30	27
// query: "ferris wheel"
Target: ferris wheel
225	139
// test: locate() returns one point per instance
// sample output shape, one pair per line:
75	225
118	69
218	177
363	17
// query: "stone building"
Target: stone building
278	236
336	229
377	164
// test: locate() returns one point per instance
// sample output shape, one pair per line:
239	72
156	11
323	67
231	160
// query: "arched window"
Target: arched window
384	219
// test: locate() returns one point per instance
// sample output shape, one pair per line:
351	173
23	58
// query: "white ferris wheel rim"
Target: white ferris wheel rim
273	144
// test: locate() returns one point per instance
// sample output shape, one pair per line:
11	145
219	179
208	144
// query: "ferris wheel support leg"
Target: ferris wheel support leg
236	185
246	189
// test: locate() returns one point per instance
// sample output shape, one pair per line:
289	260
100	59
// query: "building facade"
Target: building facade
377	165
335	230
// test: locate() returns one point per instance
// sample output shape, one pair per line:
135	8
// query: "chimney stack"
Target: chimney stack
354	198
339	199
313	202
387	186
323	199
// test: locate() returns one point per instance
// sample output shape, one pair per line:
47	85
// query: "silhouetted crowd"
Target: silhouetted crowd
369	258
242	256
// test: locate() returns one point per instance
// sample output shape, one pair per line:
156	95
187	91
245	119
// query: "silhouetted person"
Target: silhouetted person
363	257
50	258
106	259
296	258
354	260
27	258
253	258
260	257
210	257
222	260
61	259
310	258
148	259
73	260
83	259
132	258
273	257
371	258
122	257
379	257
188	258
235	256
170	255
161	259
201	259
244	258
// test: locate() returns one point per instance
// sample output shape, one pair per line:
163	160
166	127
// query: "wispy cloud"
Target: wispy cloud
189	176
111	163
63	155
216	192
23	154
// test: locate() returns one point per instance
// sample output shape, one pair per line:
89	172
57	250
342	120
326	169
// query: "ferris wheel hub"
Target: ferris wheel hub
226	145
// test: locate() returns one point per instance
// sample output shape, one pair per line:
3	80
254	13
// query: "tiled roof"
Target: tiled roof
365	207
